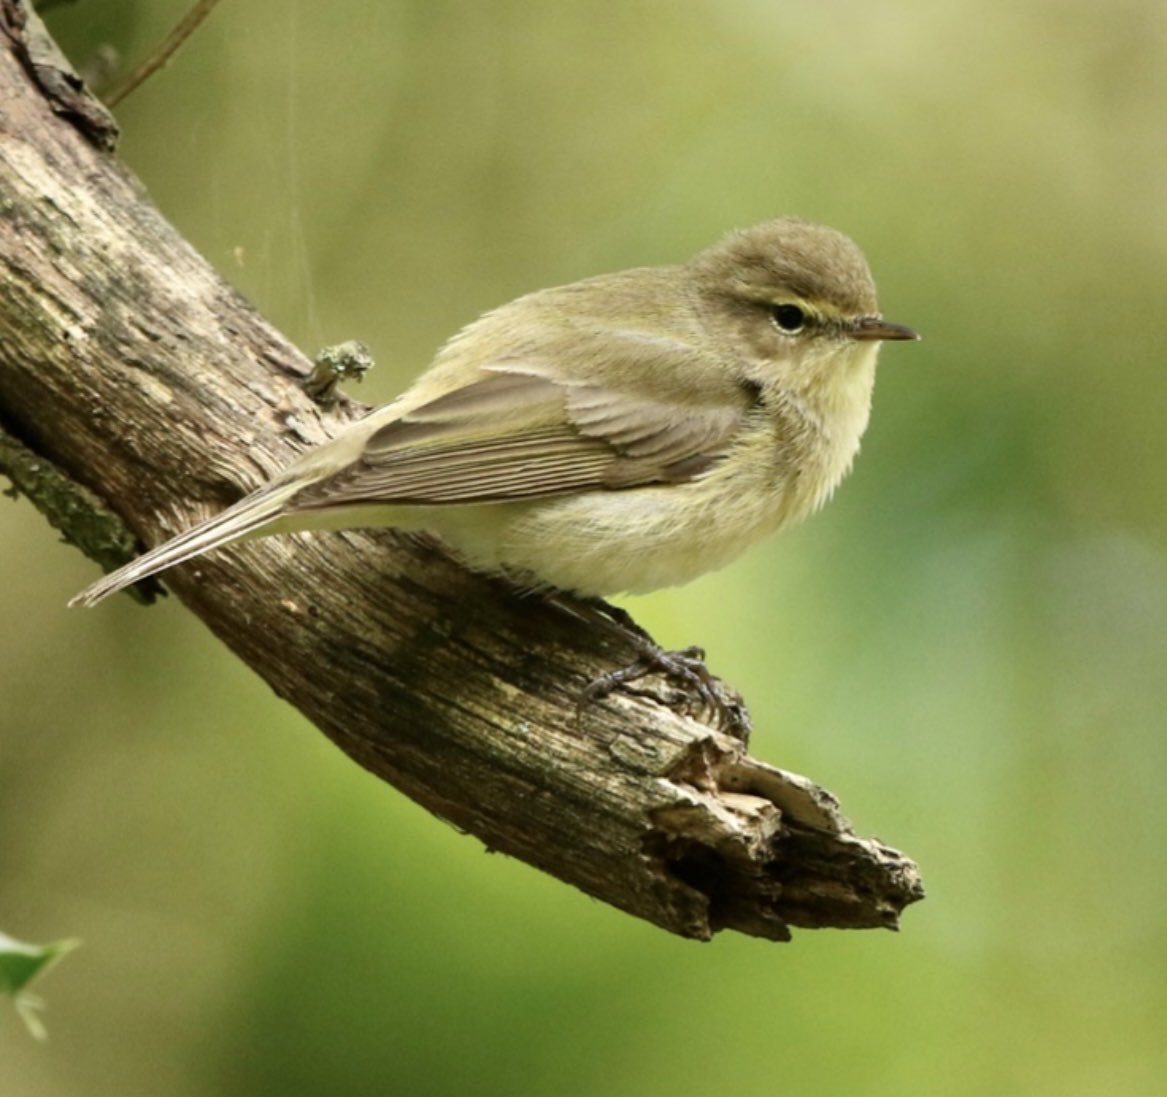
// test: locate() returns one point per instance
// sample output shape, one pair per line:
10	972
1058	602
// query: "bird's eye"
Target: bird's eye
789	318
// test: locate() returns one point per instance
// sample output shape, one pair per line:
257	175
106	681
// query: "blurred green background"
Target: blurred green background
969	645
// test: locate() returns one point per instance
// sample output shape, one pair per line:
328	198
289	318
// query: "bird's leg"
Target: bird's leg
686	668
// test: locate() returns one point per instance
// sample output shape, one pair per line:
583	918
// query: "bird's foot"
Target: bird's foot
685	669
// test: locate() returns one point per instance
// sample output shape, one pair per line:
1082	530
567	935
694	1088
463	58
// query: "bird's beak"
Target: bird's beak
868	328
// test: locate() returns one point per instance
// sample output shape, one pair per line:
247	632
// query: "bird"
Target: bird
619	434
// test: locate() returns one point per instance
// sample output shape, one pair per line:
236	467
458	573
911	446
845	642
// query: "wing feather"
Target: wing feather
518	433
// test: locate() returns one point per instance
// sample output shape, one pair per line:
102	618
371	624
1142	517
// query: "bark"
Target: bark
131	372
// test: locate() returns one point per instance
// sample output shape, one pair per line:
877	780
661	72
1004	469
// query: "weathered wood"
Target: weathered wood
128	363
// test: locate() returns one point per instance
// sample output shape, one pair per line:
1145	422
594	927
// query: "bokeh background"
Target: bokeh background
969	645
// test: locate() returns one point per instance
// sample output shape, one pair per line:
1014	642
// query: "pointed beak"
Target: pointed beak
869	328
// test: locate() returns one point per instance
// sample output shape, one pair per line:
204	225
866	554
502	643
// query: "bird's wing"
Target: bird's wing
518	433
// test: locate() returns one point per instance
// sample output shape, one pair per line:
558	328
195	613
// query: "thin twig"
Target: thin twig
162	55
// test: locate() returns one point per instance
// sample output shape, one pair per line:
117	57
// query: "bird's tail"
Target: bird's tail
248	515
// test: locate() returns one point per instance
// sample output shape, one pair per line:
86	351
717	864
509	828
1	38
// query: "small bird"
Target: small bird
619	434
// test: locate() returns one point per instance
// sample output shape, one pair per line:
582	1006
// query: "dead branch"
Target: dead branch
131	367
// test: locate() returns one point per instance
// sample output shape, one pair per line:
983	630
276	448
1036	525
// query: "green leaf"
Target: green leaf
20	964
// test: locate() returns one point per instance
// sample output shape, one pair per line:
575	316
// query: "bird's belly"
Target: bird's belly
609	542
634	542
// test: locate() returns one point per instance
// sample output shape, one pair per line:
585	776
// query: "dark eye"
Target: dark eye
789	318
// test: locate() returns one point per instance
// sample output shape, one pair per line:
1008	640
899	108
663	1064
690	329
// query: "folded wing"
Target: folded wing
518	433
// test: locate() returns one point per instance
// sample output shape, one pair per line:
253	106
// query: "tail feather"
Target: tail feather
246	516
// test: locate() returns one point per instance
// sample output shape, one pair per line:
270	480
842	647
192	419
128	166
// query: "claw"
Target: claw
685	668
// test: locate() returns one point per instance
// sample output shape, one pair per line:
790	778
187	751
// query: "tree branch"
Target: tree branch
163	53
132	367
